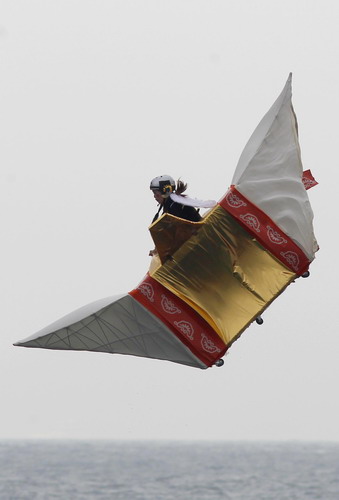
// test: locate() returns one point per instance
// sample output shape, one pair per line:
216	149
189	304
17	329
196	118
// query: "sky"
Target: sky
96	99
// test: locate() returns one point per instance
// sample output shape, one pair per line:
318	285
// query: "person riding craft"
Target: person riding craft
167	193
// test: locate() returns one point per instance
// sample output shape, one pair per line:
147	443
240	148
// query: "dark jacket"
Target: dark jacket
178	210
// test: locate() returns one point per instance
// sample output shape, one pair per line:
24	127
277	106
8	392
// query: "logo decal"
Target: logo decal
234	201
169	306
147	290
274	236
186	328
308	183
208	345
252	221
292	259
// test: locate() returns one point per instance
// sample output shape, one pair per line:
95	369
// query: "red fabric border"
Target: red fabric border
259	225
181	319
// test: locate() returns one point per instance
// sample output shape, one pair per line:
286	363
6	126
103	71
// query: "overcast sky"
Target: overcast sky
97	98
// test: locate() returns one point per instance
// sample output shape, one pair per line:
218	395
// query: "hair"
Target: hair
181	187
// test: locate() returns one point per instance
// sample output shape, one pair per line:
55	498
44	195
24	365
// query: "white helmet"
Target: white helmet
164	183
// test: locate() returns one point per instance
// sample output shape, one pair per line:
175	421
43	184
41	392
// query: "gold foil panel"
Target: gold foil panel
170	232
222	272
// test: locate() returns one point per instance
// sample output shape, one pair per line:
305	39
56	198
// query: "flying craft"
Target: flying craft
211	279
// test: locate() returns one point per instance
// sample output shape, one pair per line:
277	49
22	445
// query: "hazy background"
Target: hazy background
98	97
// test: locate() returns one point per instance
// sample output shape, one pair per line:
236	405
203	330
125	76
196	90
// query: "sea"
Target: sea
126	470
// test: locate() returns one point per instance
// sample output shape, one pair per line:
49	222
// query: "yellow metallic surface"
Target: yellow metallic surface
222	272
170	232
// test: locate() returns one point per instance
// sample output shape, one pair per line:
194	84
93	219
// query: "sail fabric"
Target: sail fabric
269	173
116	326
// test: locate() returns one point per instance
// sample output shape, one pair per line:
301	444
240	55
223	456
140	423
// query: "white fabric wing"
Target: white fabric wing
269	173
114	325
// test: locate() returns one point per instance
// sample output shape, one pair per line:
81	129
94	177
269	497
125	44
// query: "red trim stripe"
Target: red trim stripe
259	225
181	319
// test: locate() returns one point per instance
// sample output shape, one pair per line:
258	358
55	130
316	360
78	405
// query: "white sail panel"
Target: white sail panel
121	326
269	173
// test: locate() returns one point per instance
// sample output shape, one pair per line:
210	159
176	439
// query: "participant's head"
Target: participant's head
162	186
